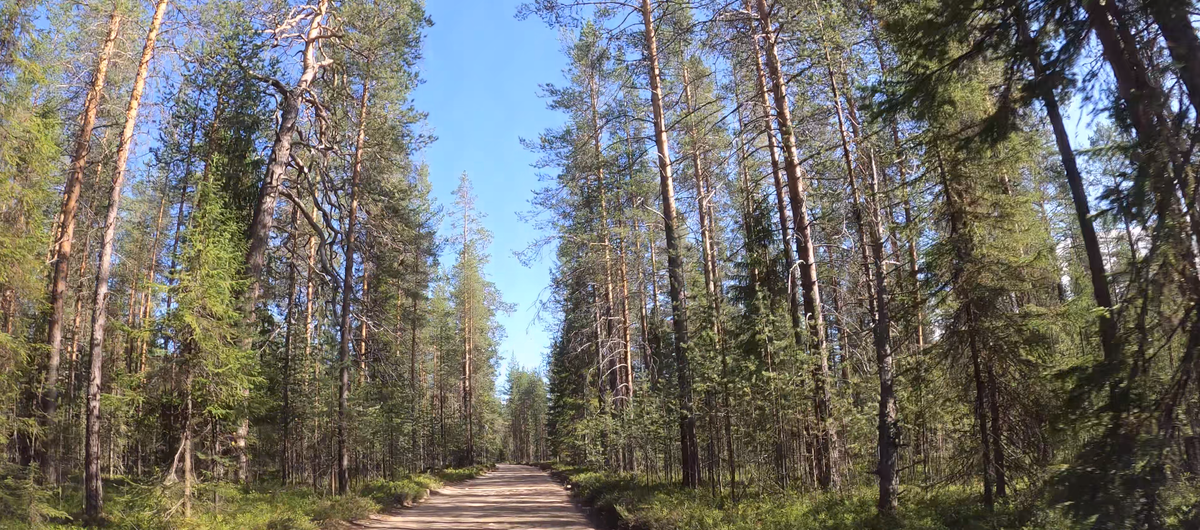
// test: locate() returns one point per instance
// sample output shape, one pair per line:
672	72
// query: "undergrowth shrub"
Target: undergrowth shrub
454	475
404	492
640	503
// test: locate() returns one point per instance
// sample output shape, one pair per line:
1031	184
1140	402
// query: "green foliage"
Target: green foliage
412	489
456	475
23	499
218	506
403	492
525	410
345	508
651	505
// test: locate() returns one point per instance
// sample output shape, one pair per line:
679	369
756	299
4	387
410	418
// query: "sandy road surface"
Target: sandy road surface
509	498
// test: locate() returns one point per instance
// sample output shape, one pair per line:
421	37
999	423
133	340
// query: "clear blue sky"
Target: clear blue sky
481	69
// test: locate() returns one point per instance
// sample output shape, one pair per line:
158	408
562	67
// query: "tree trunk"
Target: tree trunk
61	252
188	471
626	369
963	250
827	457
418	396
626	324
1091	244
856	197
285	461
981	419
873	257
310	289
781	204
687	416
264	210
343	472
609	364
362	329
1175	23
712	279
996	432
94	502
889	429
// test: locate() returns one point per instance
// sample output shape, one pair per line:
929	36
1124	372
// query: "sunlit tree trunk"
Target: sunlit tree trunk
94	501
690	457
827	456
268	193
343	458
61	251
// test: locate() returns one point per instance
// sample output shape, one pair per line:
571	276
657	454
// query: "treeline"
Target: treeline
902	246
219	258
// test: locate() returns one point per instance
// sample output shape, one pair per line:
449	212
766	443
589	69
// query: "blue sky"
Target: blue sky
481	69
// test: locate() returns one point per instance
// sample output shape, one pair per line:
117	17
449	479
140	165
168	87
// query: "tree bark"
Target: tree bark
827	446
1091	243
285	461
712	281
690	457
343	459
268	193
781	204
418	397
856	198
981	418
188	471
61	252
996	431
1174	21
873	267
963	250
94	502
889	429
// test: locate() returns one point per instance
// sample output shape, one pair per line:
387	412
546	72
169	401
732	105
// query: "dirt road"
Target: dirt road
509	498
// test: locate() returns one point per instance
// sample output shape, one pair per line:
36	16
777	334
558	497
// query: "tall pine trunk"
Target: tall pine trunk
781	204
827	447
268	193
93	486
61	252
690	457
343	459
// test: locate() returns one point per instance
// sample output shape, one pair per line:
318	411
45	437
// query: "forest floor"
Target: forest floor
510	497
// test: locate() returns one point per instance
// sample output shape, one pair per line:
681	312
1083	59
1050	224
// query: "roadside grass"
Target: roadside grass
637	503
130	505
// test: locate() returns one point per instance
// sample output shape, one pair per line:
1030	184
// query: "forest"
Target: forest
815	264
239	319
875	263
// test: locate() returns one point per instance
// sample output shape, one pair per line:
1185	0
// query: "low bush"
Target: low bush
638	503
130	505
456	475
333	510
215	506
399	493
